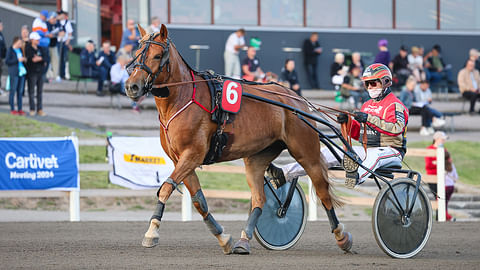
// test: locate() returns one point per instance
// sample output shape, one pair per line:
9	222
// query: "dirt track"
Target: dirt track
100	245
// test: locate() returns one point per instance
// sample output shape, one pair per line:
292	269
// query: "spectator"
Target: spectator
415	64
35	68
126	51
119	76
423	99
352	86
90	66
53	27
251	66
383	56
40	26
469	84
235	42
154	27
357	62
420	107
473	55
107	58
64	39
338	70
130	35
436	70
289	77
17	72
3	52
311	50
399	66
451	176
24	34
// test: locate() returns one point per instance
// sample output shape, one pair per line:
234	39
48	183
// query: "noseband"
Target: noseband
165	61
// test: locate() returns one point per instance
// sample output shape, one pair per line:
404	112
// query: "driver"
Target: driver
386	119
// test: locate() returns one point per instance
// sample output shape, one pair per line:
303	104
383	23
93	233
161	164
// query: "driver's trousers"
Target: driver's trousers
376	157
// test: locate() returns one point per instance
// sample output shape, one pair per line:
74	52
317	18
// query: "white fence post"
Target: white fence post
75	194
186	205
441	183
312	203
74	205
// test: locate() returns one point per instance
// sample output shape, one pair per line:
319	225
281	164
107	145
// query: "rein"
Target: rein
328	111
180	83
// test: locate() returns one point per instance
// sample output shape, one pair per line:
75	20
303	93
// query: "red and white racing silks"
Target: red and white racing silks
387	123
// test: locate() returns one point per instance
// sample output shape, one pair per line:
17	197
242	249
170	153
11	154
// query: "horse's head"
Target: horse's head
151	63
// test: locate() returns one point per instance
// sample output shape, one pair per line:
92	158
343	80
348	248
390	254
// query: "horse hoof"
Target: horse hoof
149	242
241	247
228	246
346	243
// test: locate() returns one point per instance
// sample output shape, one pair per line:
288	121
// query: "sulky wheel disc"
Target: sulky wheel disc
398	236
281	233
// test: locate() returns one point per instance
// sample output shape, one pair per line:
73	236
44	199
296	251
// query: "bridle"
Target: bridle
165	60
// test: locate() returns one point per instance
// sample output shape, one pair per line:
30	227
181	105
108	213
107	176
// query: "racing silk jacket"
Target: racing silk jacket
386	123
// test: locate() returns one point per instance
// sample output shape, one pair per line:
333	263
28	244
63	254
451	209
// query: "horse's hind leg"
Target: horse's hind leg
316	168
344	239
255	168
198	200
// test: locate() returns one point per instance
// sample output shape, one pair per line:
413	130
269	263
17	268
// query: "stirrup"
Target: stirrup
275	176
351	179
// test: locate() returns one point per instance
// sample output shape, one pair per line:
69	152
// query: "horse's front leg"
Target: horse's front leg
200	203
185	166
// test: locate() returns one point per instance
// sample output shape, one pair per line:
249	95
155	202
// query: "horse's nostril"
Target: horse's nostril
134	87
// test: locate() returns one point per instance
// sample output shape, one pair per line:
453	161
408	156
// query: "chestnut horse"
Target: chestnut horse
258	134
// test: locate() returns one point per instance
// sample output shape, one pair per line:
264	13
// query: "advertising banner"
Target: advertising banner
39	163
138	162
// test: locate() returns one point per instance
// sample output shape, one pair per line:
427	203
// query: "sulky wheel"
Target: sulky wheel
277	232
397	235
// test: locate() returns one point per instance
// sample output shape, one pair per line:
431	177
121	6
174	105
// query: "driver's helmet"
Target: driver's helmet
379	72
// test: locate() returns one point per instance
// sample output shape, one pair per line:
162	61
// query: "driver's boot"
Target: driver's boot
277	178
351	179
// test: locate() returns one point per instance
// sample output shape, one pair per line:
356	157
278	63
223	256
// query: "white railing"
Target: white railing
74	196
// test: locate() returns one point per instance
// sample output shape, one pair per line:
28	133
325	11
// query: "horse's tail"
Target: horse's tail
336	201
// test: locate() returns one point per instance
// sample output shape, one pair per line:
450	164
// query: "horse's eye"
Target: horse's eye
157	57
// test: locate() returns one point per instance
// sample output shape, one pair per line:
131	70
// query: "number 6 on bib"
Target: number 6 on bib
231	96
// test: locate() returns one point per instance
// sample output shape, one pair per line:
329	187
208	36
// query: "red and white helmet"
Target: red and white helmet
379	72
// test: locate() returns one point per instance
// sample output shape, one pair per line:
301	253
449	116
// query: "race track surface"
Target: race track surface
117	245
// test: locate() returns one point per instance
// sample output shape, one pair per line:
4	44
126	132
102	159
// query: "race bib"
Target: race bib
231	96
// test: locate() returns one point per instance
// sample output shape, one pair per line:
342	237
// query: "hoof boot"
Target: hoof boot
241	247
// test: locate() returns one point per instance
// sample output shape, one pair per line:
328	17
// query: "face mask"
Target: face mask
374	93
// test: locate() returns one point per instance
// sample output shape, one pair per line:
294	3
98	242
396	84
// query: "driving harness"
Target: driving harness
214	81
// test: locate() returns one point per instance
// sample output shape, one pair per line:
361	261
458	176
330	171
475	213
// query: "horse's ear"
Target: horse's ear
163	32
142	31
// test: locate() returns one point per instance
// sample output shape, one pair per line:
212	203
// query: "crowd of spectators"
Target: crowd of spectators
46	48
413	74
109	67
36	57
